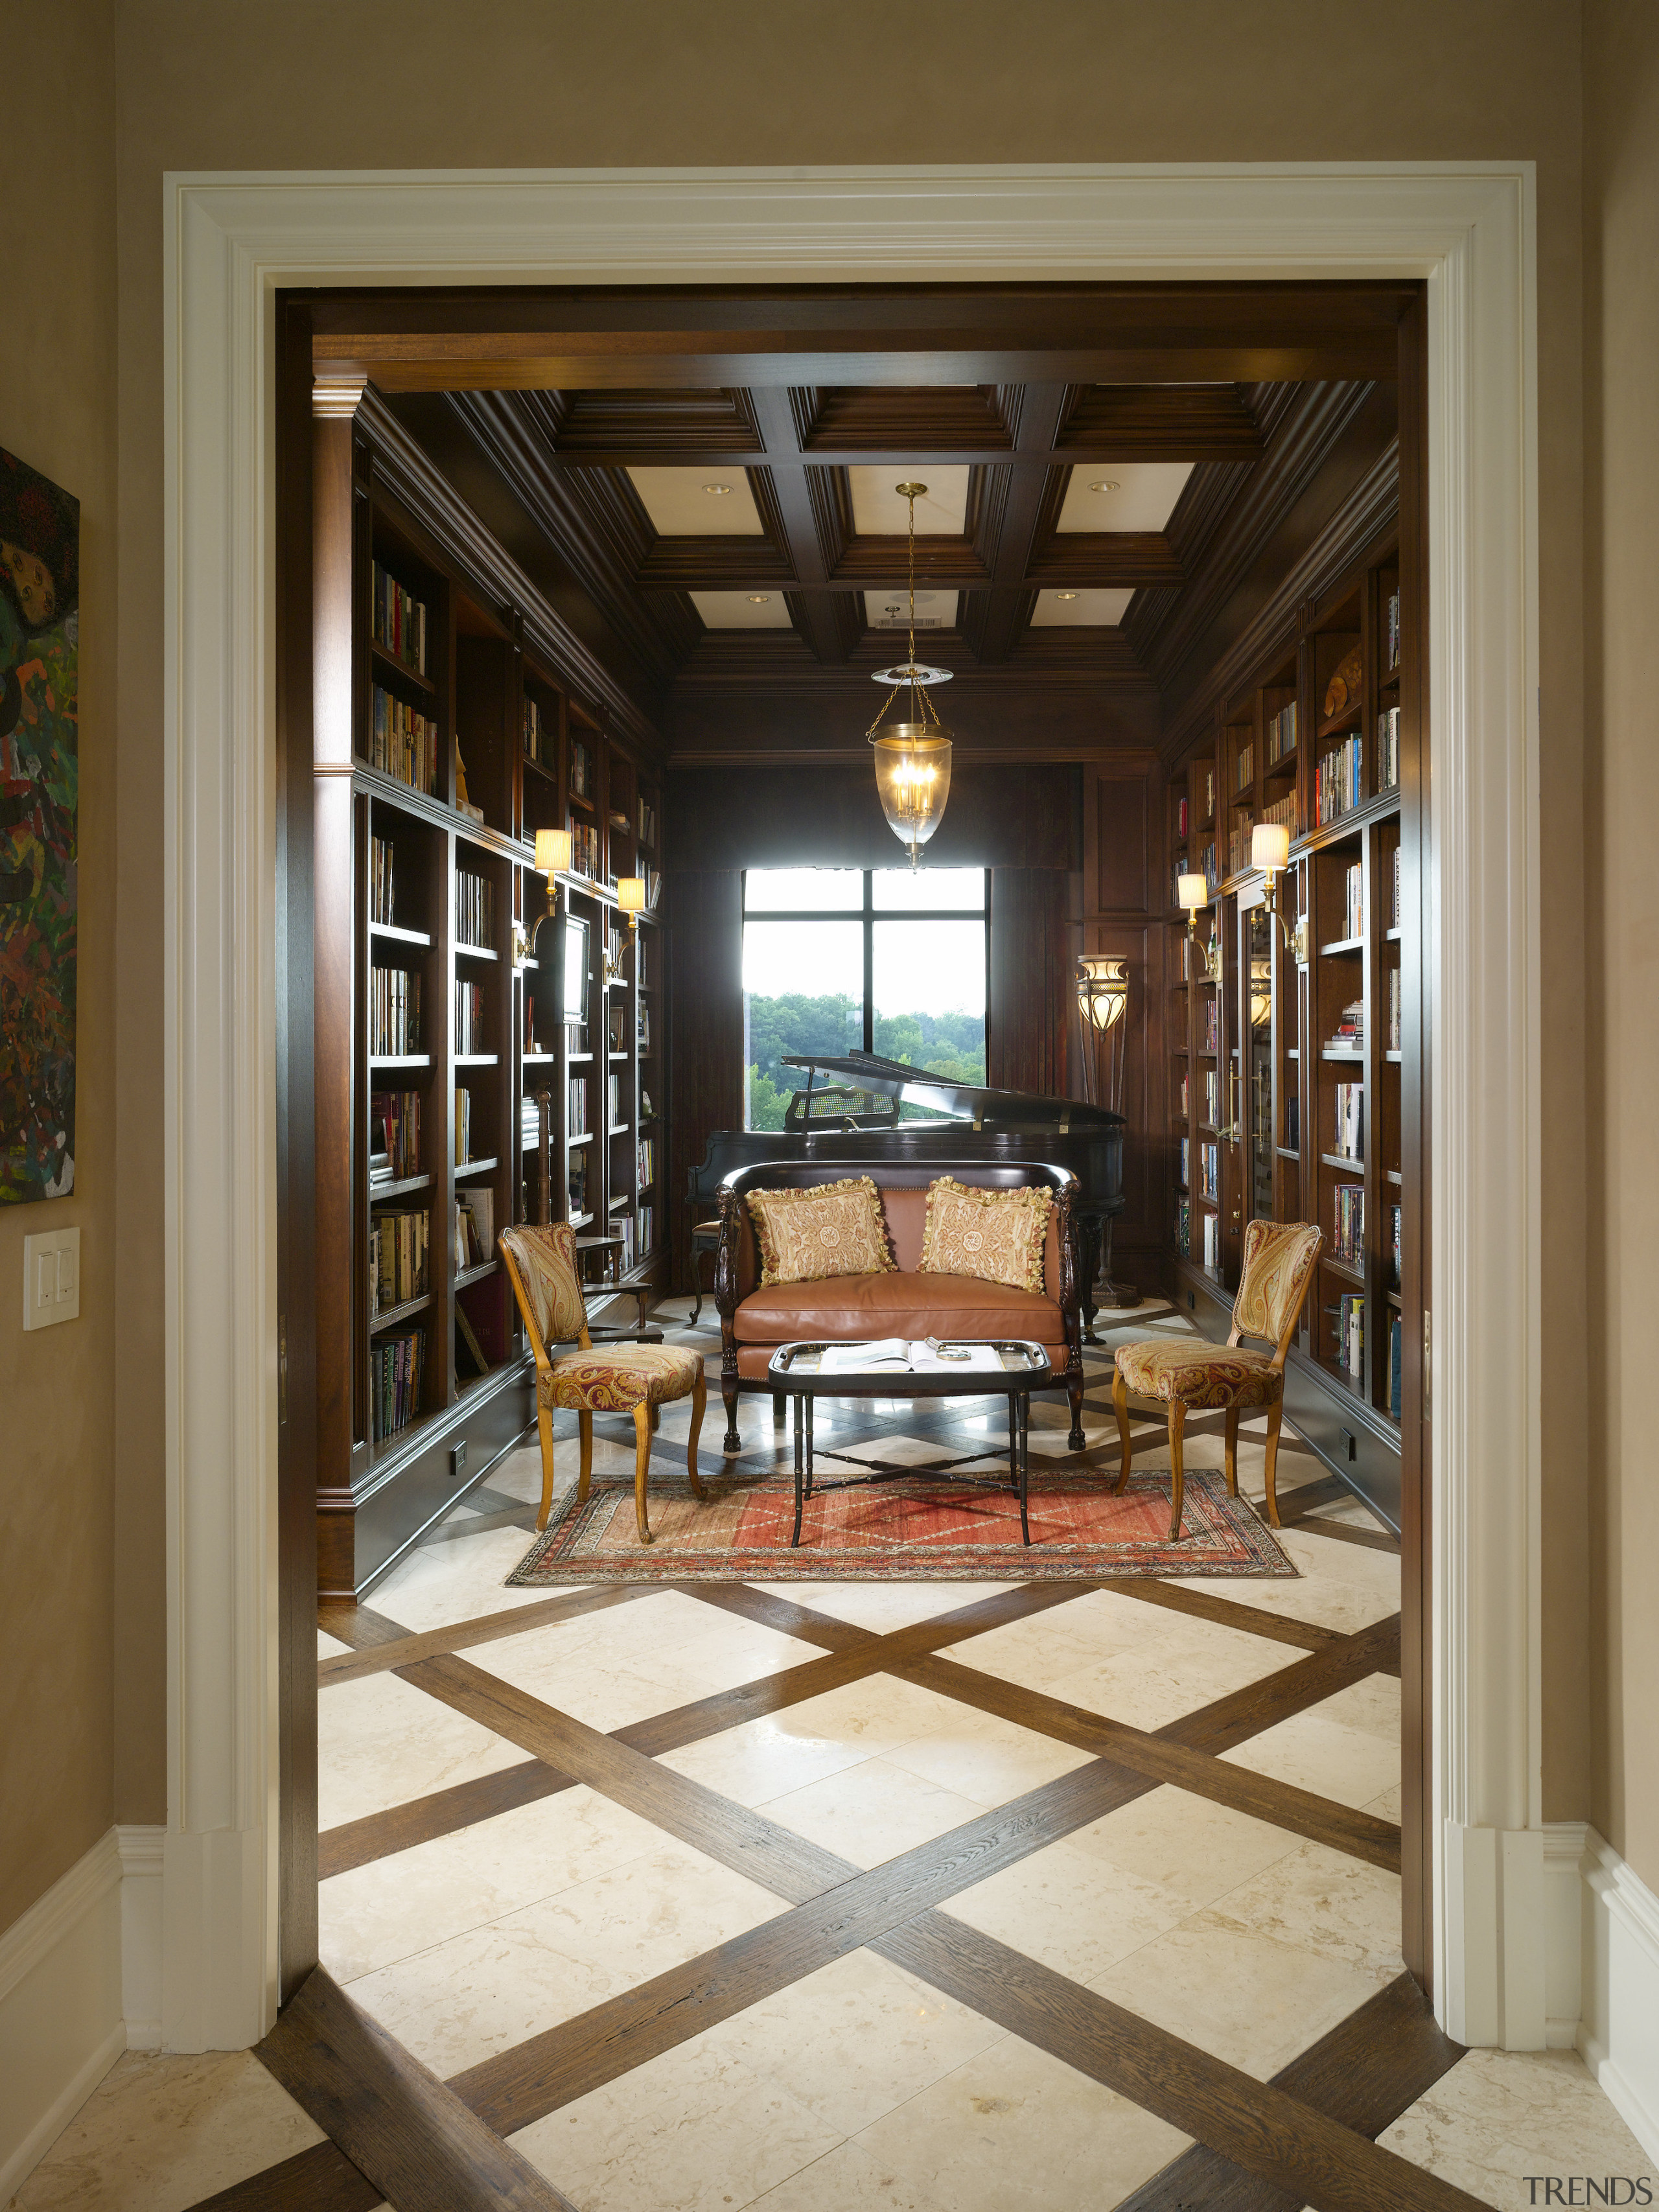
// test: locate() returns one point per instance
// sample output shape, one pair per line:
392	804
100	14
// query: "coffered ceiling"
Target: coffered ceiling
713	473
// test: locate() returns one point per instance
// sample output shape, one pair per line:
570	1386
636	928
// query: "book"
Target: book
1388	748
541	733
1281	733
1283	812
1238	847
398	619
398	1243
1213	1240
919	1356
1181	820
1340	784
394	1013
470	1019
463	1124
1391	632
581	770
1394	1247
381	860
402	743
479	1208
396	1373
1393	1030
1350	1119
1183	1228
1353	896
1244	774
475	910
396	1116
1348	1241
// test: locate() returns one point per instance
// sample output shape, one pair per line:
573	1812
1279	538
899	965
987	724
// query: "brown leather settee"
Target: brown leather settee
844	1309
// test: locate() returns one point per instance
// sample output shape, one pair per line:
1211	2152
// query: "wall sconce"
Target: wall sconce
631	899
1192	891
1270	851
553	848
1102	1004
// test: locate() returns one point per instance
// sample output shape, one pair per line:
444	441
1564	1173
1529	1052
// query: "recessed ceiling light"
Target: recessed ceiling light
760	598
1106	484
717	491
1064	595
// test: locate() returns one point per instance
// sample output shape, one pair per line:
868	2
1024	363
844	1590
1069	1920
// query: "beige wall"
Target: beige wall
349	83
57	1396
1621	360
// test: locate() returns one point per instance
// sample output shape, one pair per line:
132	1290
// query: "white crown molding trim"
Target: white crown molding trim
61	2028
1468	227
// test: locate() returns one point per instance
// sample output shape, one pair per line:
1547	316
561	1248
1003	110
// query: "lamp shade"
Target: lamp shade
1270	847
1102	989
1193	892
553	852
912	778
630	894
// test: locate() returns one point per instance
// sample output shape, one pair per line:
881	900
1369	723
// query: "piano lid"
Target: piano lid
984	1109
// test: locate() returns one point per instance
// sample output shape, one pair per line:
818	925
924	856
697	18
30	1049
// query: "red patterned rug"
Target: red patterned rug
911	1532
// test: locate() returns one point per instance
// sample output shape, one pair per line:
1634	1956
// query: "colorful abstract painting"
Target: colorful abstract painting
40	638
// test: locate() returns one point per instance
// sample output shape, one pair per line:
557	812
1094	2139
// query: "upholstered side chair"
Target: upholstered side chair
629	1372
1180	1372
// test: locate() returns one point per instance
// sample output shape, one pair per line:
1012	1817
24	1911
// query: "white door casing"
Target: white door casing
231	240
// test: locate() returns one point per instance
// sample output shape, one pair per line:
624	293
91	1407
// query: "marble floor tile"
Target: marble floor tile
872	1812
848	2179
1501	2114
161	2132
765	1759
1349	1765
694	2129
329	1647
381	1742
1372	1706
1318	1900
1071	1909
481	1992
985	1759
855	2039
1189	1846
1241	1996
439	1584
883	1607
412	1899
875	1714
1168	1676
1014	2127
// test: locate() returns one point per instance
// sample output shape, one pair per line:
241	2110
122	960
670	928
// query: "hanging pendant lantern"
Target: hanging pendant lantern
913	757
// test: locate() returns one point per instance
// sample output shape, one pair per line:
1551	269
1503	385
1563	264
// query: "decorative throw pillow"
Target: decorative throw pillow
831	1228
997	1235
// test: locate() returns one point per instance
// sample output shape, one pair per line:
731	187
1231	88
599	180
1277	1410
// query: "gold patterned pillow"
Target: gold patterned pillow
830	1229
997	1235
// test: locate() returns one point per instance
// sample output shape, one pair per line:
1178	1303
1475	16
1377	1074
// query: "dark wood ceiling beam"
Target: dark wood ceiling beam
799	512
1028	510
1159	422
1093	560
1086	561
850	334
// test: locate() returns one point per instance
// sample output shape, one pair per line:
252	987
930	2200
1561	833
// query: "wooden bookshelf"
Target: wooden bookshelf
1291	1037
428	901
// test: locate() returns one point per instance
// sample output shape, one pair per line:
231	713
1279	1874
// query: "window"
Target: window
839	960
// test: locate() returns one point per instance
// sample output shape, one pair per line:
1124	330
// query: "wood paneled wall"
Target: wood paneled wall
1032	950
704	915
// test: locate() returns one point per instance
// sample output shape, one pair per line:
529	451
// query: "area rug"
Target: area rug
913	1532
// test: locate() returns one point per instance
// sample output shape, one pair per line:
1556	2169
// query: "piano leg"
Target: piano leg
1077	1440
1089	1239
729	1394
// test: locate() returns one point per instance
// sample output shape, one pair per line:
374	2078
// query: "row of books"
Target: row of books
1238	847
475	1228
647	1230
398	619
1213	1097
1209	1169
379	881
624	1227
1394	1015
642	1026
585	850
1282	811
396	1371
1391	632
647	822
394	1013
1348	1240
1212	1027
529	1116
575	1107
398	1243
474	909
1349	1141
1182	1109
614	1108
645	1162
1388	748
470	1019
1244	774
1210	1242
463	1124
1184	1174
1183	1228
1349	1316
1340	785
1394	1254
394	1118
541	734
1349	1034
1353	901
403	743
581	770
1281	733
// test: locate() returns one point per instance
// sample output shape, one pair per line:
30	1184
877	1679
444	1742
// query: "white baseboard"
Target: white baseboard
61	2027
79	1982
1619	2031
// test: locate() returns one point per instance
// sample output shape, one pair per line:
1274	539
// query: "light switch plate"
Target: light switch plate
51	1278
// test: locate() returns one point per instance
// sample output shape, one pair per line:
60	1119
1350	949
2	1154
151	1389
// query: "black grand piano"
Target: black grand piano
833	1119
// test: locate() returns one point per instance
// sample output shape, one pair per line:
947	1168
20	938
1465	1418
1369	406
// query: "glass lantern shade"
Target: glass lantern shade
1102	989
912	779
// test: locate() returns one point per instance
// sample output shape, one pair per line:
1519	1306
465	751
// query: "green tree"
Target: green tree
767	1104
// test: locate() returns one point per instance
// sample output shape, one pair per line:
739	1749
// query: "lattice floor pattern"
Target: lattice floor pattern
919	1897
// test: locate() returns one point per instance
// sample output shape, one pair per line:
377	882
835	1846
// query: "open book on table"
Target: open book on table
896	1355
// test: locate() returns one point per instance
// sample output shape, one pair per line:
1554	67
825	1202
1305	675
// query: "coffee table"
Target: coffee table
794	1371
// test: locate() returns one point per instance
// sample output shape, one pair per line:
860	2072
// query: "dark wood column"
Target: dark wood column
706	1072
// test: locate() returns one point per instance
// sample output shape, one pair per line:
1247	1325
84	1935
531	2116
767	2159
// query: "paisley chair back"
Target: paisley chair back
542	1264
1278	1260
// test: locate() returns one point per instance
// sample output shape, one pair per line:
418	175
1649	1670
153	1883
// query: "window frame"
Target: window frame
867	916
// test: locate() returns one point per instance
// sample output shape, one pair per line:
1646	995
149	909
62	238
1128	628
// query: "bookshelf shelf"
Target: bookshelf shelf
499	731
1291	1042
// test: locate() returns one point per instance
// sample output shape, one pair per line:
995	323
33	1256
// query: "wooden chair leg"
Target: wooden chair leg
1230	1451
545	1422
1120	1400
699	1400
642	1469
584	1436
1274	1413
1177	1469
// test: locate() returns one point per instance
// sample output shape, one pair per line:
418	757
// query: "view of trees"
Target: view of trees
946	1044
